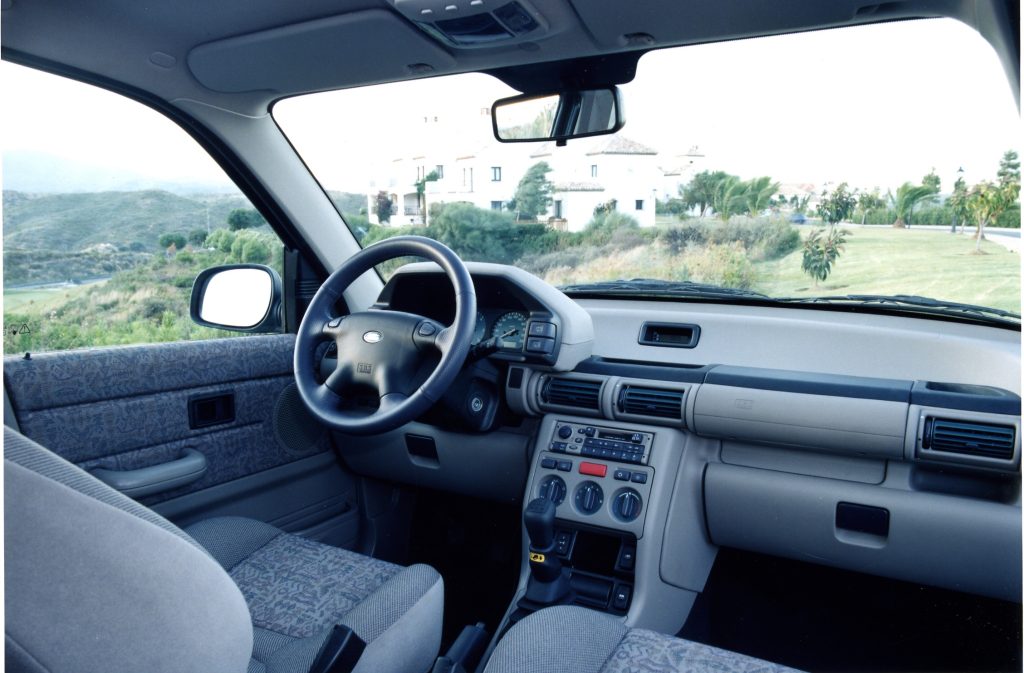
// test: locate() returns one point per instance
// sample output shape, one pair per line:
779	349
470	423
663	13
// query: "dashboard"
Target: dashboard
864	442
520	318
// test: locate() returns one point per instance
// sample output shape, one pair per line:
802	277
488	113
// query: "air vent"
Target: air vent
651	402
970	439
572	393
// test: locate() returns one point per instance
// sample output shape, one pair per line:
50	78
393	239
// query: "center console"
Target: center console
597	501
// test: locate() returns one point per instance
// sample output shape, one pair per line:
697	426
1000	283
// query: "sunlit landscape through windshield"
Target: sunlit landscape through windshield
857	161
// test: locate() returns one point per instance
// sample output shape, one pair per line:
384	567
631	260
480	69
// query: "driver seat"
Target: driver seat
96	582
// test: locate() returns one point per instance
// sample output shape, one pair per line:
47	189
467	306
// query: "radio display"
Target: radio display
617	436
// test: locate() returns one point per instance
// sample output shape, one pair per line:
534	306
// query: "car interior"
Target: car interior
452	465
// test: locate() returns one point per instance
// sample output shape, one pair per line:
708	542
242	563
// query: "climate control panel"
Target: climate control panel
595	492
592	441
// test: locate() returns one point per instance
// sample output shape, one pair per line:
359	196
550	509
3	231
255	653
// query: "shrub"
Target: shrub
221	239
719	264
255	251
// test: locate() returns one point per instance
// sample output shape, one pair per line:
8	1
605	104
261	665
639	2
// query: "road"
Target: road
1008	238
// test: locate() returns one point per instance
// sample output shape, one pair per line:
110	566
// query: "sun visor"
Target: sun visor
319	54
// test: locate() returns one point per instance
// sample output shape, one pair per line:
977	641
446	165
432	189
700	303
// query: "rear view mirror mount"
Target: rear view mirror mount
559	116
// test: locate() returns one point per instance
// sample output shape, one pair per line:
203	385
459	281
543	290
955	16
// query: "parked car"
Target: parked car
578	433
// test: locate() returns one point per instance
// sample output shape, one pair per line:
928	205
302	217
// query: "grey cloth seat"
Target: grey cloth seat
96	582
570	639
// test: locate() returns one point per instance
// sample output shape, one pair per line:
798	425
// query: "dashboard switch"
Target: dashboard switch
548	463
540	345
565	466
621	475
593	469
541	329
639	478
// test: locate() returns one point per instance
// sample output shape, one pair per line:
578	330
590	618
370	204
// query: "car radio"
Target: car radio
614	444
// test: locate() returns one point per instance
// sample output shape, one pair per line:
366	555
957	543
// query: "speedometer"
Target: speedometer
510	330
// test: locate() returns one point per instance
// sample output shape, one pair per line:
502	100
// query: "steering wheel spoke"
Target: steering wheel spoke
334	327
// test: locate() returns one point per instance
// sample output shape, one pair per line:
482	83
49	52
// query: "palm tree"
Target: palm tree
759	193
730	197
908	196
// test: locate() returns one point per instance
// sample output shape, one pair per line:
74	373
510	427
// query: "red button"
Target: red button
593	469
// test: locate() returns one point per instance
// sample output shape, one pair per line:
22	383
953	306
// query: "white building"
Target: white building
585	173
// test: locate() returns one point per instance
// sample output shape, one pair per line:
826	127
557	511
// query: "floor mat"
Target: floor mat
475	545
822	619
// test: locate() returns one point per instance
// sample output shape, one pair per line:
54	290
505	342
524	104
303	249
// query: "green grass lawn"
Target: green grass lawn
906	261
35	300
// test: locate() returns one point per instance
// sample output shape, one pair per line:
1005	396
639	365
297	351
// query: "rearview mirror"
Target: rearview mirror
238	297
558	116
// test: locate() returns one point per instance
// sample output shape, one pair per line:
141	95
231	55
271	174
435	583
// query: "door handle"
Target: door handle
155	478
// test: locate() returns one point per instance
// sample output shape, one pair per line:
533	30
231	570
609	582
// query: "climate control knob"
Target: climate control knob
589	497
626	505
553	488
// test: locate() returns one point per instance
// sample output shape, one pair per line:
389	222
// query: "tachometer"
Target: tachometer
510	330
481	328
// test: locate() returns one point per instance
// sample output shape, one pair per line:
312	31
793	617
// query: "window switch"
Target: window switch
627	558
620	599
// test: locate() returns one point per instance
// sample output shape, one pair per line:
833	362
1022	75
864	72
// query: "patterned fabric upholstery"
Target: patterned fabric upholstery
298	589
576	640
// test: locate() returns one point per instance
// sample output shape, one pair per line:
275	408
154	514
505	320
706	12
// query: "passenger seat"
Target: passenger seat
569	639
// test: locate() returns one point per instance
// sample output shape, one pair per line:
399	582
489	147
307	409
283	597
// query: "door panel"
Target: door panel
127	408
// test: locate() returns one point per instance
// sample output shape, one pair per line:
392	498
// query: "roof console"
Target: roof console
470	24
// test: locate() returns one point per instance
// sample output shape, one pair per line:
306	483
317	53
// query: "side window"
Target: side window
109	213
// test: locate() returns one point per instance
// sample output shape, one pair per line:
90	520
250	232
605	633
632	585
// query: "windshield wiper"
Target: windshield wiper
912	302
659	288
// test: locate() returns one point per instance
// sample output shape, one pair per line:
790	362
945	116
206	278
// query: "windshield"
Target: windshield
841	164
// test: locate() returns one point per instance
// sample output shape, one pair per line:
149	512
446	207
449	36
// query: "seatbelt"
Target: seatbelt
340	652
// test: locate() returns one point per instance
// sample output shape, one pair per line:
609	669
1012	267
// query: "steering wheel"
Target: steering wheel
381	350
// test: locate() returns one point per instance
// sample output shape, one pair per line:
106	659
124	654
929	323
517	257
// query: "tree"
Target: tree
169	239
987	201
868	201
421	190
700	192
245	218
837	206
958	203
932	181
1009	169
821	250
197	237
533	194
729	198
383	206
907	196
758	193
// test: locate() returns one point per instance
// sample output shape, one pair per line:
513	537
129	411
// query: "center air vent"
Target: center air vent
658	402
971	439
578	393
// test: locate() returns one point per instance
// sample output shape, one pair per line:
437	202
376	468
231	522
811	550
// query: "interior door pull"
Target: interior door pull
155	478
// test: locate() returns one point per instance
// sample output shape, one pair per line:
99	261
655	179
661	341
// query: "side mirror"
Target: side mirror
558	116
238	297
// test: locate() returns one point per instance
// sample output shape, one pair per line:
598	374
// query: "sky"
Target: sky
872	106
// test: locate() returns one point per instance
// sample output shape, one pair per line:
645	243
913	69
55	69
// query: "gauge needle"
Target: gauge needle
511	332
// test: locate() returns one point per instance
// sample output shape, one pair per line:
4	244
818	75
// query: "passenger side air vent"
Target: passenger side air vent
565	392
971	439
658	402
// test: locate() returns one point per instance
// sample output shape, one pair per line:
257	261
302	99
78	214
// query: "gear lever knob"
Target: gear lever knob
539	519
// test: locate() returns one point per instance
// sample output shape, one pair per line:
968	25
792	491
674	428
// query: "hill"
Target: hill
127	220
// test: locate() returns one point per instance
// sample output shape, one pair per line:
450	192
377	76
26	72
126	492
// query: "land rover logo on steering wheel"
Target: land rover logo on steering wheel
372	337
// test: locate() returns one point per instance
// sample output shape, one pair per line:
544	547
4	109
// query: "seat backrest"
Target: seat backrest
96	582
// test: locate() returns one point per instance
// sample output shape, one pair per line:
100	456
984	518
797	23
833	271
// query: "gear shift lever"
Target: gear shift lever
548	584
